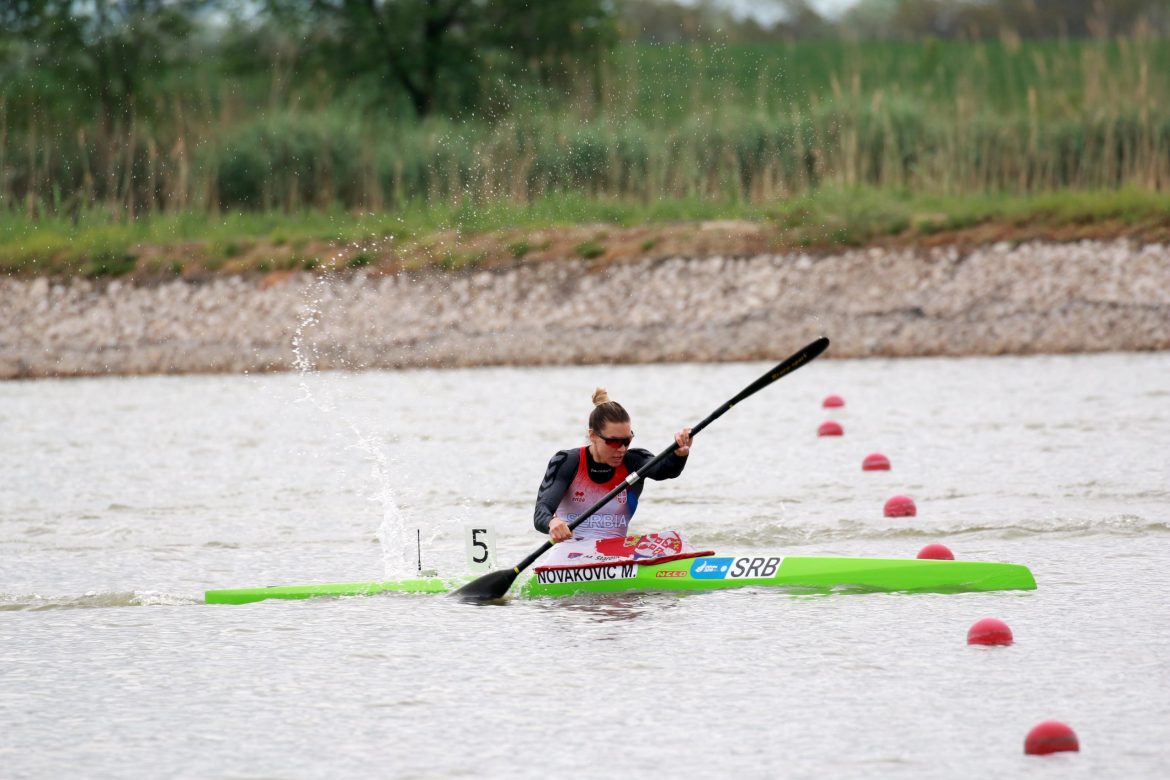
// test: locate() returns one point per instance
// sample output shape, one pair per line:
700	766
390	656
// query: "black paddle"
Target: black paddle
493	586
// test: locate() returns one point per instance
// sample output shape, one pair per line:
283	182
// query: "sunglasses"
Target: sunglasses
616	441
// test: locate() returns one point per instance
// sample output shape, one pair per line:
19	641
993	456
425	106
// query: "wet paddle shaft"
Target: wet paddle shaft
493	586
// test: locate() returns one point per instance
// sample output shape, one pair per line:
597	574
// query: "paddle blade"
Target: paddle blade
489	587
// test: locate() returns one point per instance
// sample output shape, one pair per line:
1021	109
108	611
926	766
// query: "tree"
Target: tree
103	51
437	52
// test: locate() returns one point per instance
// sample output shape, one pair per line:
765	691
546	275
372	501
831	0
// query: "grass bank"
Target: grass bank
464	236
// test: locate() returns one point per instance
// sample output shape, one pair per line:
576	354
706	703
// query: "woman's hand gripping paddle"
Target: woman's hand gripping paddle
493	586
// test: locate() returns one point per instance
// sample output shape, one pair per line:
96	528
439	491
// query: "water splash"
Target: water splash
392	530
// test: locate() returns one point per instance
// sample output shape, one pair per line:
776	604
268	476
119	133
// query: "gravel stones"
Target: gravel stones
997	299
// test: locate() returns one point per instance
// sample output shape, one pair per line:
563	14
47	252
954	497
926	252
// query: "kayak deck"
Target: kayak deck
801	573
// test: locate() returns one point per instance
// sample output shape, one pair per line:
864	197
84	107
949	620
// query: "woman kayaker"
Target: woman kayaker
578	478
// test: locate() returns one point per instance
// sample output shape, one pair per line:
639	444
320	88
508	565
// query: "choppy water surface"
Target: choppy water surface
122	500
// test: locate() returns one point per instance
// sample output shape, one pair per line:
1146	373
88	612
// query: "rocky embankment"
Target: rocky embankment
1000	299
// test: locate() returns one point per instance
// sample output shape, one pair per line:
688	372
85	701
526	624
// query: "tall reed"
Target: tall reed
750	123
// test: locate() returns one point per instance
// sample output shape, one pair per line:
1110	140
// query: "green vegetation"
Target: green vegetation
97	245
589	249
933	117
109	264
314	122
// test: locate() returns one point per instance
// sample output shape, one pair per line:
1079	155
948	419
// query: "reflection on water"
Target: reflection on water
610	607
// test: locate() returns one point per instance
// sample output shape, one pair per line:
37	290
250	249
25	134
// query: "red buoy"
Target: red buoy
989	631
830	428
936	552
1051	736
833	401
875	462
900	506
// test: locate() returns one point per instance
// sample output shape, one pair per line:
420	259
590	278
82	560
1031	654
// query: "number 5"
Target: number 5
481	548
476	542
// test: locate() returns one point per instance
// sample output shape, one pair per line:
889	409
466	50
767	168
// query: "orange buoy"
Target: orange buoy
833	402
875	462
830	428
936	552
1051	736
900	506
989	631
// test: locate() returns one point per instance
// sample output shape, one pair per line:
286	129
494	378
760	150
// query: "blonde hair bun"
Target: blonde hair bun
600	396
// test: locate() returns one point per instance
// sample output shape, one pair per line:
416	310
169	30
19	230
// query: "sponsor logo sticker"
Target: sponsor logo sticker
670	573
711	568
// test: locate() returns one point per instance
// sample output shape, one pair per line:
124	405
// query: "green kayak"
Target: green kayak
803	574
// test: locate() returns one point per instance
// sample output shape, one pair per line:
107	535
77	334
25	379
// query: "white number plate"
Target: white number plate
481	549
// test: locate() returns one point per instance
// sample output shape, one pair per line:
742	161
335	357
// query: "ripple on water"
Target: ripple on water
777	535
397	685
94	600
